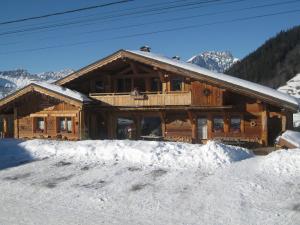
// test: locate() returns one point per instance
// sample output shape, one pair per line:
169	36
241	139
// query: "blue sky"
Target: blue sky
74	46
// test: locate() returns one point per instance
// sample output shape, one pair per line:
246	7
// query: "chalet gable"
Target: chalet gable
163	63
57	92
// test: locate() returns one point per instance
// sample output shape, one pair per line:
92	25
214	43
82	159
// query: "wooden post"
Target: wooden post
162	115
264	121
192	119
226	124
209	126
283	122
5	126
16	123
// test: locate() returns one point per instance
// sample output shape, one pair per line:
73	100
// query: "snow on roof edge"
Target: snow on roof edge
64	91
220	76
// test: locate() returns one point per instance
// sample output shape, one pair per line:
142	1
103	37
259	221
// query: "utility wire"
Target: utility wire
65	12
172	19
155	32
103	18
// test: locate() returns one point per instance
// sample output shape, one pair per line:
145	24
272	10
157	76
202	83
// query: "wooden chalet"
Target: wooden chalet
142	95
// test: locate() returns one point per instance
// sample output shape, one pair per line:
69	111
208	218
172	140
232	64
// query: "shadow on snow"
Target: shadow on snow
12	154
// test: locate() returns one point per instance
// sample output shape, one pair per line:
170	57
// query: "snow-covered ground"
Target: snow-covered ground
139	182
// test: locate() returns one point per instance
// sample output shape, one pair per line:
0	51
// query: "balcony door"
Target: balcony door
202	128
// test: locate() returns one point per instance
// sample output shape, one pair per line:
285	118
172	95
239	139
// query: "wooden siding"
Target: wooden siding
204	94
168	99
50	110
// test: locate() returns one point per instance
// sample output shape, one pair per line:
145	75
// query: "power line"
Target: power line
155	32
103	18
178	18
64	12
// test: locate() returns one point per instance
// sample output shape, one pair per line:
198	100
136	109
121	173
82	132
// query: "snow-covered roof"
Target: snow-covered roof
50	88
220	76
64	91
292	137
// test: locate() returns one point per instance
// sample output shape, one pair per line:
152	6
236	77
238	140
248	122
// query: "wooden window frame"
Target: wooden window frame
230	127
181	86
35	125
65	119
213	124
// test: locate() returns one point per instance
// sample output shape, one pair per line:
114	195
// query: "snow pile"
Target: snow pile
147	153
284	163
292	137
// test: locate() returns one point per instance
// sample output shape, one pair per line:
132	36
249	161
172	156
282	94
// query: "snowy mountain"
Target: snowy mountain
214	60
292	88
15	79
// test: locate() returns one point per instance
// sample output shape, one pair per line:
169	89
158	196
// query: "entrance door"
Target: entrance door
202	128
126	128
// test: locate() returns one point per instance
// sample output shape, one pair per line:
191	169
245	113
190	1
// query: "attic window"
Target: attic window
176	84
99	86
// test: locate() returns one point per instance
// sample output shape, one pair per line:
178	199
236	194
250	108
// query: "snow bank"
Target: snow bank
148	153
285	163
292	137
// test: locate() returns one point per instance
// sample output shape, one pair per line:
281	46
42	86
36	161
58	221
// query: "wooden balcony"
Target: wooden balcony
144	99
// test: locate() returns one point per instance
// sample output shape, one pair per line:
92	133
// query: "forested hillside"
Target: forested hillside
274	63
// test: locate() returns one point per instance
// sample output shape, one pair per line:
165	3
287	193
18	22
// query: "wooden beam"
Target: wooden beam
162	115
283	123
264	121
16	123
134	68
192	118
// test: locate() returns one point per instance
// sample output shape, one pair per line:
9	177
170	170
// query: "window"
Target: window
125	128
218	124
99	86
40	124
176	84
156	84
139	84
124	85
151	126
235	124
65	124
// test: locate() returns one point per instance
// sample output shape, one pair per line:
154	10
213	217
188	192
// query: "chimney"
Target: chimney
145	48
176	57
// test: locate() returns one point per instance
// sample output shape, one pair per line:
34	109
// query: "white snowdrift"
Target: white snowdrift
148	153
282	162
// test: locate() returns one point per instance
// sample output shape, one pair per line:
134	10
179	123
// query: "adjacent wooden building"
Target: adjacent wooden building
142	95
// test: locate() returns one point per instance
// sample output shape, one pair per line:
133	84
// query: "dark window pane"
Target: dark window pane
99	86
176	84
120	85
127	85
218	124
151	126
156	84
125	128
139	84
235	124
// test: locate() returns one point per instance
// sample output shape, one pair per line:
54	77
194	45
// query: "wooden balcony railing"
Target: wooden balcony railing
144	99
